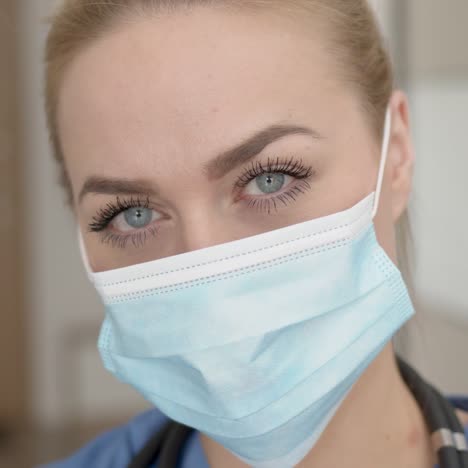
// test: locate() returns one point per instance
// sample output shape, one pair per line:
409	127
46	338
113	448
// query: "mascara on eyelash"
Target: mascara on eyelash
292	167
106	214
118	240
266	204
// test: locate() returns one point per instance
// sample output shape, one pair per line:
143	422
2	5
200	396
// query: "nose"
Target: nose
206	227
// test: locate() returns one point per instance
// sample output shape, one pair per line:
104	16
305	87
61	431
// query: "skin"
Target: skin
157	99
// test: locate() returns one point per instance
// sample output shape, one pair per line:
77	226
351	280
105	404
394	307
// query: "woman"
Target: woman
238	170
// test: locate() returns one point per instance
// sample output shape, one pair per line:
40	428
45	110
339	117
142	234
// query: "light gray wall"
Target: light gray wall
437	71
440	121
438	36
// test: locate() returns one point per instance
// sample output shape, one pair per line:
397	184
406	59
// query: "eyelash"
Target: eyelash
291	167
105	215
100	222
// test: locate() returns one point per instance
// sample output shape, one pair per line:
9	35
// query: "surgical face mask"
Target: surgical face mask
257	342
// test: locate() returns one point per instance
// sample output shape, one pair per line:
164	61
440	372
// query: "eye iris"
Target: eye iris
270	183
138	217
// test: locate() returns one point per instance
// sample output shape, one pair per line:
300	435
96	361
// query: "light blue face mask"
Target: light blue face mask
258	341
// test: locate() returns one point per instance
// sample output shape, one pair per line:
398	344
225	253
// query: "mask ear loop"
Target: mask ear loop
84	254
383	159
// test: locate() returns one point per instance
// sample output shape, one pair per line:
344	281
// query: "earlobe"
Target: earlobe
400	163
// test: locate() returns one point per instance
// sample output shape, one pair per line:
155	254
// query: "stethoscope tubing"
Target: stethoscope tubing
438	413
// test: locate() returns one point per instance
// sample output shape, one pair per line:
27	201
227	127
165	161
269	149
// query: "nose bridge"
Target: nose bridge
203	225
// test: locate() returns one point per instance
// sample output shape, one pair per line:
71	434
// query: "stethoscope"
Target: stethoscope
447	433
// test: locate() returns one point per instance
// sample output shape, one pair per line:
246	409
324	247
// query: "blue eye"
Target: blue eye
135	218
270	183
265	186
126	220
139	217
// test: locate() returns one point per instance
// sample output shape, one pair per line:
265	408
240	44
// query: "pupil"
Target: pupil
270	183
138	218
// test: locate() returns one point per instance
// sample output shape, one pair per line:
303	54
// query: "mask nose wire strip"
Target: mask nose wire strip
383	159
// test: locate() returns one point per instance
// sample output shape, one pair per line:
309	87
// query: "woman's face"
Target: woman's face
194	129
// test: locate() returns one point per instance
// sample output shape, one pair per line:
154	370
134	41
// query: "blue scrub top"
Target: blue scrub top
116	448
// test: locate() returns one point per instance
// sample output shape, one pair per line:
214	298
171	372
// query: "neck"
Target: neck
378	424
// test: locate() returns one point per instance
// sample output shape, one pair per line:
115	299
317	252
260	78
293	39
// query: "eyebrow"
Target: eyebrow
214	169
247	150
110	186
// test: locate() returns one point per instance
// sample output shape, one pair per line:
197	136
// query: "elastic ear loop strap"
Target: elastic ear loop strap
383	159
84	254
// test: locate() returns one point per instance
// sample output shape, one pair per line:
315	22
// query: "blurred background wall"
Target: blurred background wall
63	310
13	401
53	337
433	67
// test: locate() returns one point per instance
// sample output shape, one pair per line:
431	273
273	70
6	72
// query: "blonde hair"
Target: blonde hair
353	37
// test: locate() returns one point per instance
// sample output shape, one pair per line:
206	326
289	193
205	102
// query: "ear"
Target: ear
400	162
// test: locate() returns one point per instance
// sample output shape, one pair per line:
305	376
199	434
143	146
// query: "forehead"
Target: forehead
185	86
